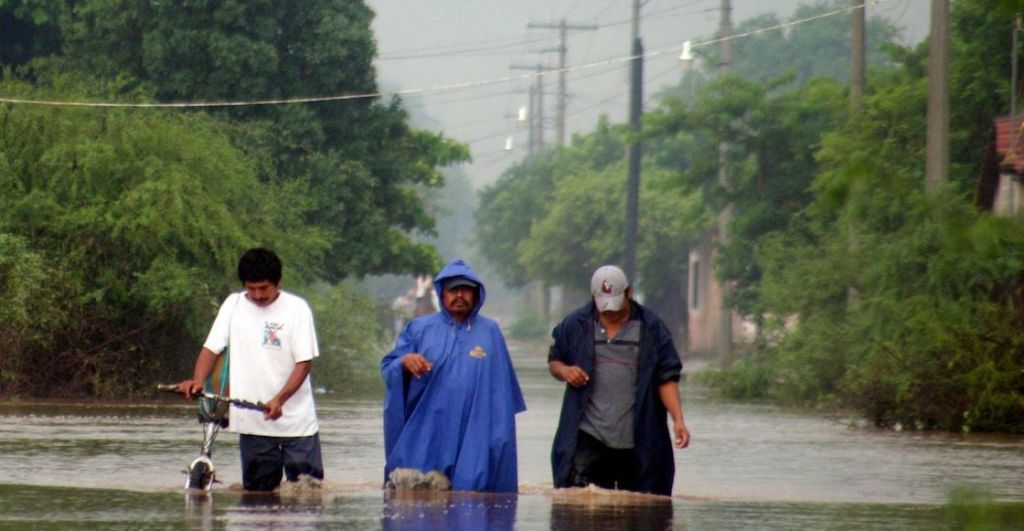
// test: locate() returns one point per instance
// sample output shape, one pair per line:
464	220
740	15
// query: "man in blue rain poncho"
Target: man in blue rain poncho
452	394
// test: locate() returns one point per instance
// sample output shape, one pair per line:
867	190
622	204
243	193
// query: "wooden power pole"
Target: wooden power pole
937	146
858	61
635	149
725	216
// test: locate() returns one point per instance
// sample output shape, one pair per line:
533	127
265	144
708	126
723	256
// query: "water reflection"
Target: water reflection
570	509
597	509
199	510
413	510
88	466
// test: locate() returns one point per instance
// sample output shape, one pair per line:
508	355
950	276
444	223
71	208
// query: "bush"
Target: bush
933	340
30	309
352	340
126	228
528	326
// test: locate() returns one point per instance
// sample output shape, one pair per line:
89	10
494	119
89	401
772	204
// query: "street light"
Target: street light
521	117
686	58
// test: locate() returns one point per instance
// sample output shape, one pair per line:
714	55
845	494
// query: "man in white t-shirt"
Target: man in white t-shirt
271	342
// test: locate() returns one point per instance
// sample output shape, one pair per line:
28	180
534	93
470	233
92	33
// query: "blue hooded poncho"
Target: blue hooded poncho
458	418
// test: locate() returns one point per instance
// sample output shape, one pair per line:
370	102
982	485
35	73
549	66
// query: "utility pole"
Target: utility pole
560	109
725	33
937	146
539	135
531	117
560	106
858	47
634	150
725	217
536	120
538	294
560	103
858	84
1014	39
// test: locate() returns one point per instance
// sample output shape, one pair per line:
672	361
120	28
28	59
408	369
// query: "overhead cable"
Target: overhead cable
423	90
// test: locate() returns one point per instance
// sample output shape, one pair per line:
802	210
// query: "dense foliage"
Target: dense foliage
121	227
136	219
867	293
557	218
358	160
879	298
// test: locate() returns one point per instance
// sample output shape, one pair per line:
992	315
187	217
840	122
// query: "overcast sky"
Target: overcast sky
430	47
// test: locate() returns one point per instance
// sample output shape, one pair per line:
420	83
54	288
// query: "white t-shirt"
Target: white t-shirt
266	343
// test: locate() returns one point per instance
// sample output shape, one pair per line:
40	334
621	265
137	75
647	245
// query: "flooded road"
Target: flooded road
67	466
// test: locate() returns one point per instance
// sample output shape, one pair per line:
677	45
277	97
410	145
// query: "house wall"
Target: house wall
704	299
705	311
1009	196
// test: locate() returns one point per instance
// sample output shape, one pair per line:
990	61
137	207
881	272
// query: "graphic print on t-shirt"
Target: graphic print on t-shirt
270	335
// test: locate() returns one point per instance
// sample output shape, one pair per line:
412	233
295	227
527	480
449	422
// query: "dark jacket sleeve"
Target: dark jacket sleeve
669	366
568	347
559	344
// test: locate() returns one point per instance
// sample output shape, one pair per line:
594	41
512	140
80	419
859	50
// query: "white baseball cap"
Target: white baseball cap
608	286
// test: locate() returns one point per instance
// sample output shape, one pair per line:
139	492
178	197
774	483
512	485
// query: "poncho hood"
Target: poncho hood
459	268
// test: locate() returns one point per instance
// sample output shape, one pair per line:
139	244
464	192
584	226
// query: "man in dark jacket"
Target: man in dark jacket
622	378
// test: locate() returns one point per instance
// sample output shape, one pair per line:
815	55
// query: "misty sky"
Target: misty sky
431	44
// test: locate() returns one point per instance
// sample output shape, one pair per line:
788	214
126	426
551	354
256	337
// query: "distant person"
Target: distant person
271	343
622	374
416	302
451	392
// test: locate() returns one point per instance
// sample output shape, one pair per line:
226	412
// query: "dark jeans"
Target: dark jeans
264	459
595	463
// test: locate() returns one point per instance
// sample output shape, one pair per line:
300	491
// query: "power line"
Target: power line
422	90
475	48
472	48
422	103
485	137
656	14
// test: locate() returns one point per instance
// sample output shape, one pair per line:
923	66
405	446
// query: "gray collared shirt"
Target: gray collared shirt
608	414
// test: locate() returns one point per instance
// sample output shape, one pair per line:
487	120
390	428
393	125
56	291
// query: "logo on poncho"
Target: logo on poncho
478	352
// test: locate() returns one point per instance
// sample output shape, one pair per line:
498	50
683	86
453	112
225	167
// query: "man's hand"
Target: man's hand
190	388
204	366
295	379
273	411
681	434
416	365
572	375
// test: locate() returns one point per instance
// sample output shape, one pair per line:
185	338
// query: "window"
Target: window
694	284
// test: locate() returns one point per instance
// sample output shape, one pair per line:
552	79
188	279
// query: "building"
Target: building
1000	188
705	333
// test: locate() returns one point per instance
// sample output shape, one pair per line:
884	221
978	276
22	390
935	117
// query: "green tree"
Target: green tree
980	75
139	218
360	162
522	195
772	134
351	340
31	29
932	340
767	55
557	217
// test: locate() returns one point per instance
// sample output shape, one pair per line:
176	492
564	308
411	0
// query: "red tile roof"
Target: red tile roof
1010	143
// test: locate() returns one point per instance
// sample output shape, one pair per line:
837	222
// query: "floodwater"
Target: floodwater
86	466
